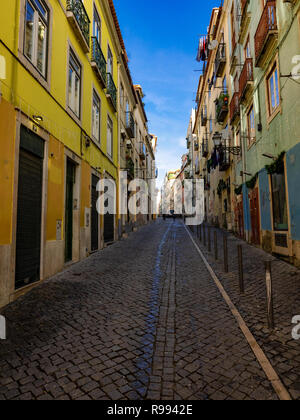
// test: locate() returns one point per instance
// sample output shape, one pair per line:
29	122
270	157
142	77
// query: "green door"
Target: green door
70	180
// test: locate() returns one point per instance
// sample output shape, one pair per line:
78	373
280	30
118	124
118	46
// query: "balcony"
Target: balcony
130	167
234	107
246	78
130	125
245	20
267	31
98	62
79	20
205	150
222	107
224	158
111	91
204	116
220	61
142	151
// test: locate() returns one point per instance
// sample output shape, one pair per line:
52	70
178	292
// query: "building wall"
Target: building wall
24	95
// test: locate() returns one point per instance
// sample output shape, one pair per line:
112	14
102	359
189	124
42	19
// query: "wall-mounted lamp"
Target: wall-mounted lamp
38	118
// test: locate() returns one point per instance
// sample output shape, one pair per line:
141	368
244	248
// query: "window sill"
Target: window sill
274	114
34	72
74	116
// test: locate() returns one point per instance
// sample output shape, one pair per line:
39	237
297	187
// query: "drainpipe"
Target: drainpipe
16	47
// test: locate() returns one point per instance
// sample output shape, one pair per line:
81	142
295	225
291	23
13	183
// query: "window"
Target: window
224	85
96	117
36	34
97	26
247	50
280	216
251	126
273	91
110	61
210	125
109	137
74	84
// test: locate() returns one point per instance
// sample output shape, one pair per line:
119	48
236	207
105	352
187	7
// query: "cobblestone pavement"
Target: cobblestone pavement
140	320
279	346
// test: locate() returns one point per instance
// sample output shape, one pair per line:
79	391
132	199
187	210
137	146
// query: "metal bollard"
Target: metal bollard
204	235
225	253
241	269
216	245
209	238
269	287
200	235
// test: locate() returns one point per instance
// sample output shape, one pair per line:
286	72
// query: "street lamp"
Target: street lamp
218	139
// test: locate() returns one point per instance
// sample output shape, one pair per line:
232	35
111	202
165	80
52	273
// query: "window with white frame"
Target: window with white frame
96	117
110	61
97	26
251	126
109	137
74	84
36	34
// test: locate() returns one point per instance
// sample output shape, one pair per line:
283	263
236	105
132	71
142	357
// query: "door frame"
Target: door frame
23	119
76	212
98	175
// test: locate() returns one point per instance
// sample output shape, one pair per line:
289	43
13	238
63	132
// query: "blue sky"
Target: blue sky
161	38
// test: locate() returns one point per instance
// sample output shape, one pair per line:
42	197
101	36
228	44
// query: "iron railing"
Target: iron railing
220	60
111	90
130	124
222	107
268	23
205	150
246	76
98	58
81	16
204	116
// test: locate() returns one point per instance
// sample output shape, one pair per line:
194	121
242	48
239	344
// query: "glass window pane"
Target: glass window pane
71	101
29	31
41	52
96	118
77	95
41	8
273	105
277	88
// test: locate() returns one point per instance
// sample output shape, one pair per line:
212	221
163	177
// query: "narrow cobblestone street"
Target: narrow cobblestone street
142	319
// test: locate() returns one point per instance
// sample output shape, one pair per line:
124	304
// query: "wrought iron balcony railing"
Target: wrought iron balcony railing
220	61
205	150
98	61
266	28
246	77
111	91
224	156
130	124
222	107
81	21
142	151
204	116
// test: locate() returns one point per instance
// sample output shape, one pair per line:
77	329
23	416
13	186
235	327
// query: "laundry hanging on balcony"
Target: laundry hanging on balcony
202	49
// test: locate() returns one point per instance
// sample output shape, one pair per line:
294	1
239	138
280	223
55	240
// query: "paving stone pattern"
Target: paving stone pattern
141	319
279	346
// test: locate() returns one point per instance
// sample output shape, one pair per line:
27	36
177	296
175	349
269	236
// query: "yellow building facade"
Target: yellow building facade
58	135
